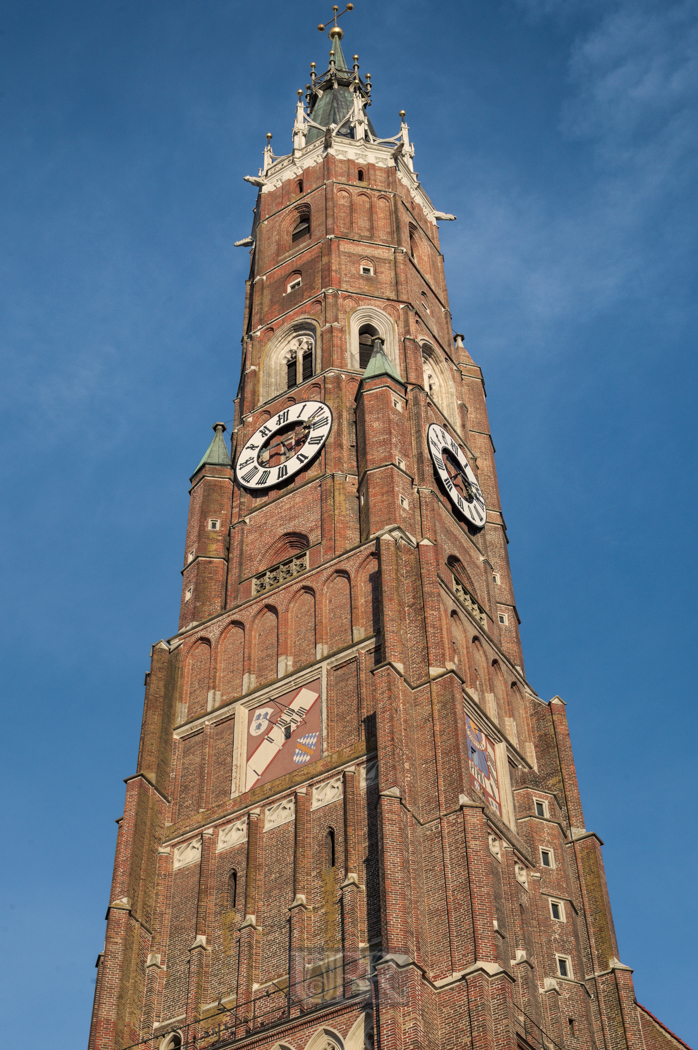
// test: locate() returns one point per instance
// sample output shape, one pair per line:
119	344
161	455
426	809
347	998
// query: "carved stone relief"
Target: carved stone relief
231	835
186	853
328	791
279	813
521	875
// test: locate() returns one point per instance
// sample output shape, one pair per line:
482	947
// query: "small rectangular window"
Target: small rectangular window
214	524
557	910
546	858
295	283
570	1028
503	618
541	809
496	577
564	966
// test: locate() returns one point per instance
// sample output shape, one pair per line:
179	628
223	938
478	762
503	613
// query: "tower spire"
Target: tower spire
216	455
338	98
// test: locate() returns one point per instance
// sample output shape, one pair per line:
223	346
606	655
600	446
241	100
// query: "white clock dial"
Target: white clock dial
284	445
456	476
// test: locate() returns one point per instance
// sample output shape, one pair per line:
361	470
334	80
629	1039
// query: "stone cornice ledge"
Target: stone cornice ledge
577	834
402	962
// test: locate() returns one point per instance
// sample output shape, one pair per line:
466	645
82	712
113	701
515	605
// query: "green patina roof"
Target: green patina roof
334	102
216	454
381	365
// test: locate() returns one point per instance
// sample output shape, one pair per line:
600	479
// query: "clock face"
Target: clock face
456	476
284	445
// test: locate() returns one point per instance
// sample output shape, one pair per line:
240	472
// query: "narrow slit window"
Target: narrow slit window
361	175
570	1027
232	889
330	848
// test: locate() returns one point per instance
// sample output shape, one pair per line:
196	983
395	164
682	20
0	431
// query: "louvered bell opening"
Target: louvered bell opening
301	230
367	333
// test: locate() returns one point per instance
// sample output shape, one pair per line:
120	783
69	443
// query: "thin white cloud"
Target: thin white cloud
544	256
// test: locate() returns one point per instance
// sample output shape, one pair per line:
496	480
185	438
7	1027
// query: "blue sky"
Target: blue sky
562	133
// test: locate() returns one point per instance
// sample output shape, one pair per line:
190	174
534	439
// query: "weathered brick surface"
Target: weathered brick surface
401	903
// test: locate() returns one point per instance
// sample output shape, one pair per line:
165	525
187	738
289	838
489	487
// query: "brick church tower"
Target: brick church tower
353	822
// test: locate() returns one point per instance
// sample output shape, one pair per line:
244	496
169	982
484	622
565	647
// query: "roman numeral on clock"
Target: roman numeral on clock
247	478
283	471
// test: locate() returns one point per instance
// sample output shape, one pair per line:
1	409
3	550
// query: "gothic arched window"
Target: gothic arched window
301	230
172	1042
369	322
289	359
367	333
438	381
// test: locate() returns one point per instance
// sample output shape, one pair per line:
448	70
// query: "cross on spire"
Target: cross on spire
336	31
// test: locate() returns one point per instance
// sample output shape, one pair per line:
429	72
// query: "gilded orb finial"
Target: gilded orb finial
335	31
269	136
299	92
402	114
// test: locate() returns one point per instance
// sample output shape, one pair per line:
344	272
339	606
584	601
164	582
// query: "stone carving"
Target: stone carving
521	875
495	847
281	572
186	853
368	775
328	791
279	813
231	835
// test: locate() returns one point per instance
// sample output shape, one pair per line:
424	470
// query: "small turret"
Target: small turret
205	555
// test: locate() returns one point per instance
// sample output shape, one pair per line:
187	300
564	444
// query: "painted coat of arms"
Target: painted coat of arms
483	765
